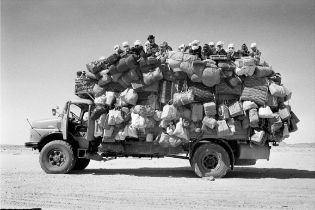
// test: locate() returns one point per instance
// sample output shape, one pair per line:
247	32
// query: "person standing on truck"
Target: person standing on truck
153	47
219	49
255	53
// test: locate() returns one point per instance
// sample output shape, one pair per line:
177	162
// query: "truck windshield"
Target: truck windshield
74	110
77	112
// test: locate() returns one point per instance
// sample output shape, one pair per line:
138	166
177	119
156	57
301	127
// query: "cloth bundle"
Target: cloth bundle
210	122
275	124
96	66
253	118
152	76
245	61
140	122
210	109
223	128
256	90
167	89
169	112
115	117
224	89
223	112
211	76
247	105
236	109
258	137
263	71
201	92
245	66
176	58
196	112
144	111
183	98
100	100
129	96
105	79
265	112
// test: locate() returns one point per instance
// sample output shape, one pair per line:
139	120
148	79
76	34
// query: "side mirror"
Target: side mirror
54	111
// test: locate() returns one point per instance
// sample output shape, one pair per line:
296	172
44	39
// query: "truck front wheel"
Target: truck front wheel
81	163
210	160
57	157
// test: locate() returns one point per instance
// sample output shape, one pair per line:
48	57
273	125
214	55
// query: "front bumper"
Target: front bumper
33	145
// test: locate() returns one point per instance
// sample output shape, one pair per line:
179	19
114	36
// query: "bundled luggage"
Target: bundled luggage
172	102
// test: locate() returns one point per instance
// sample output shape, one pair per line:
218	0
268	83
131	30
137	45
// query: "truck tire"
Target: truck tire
81	164
57	157
210	160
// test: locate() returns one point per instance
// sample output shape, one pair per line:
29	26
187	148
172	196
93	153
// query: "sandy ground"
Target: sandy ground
287	181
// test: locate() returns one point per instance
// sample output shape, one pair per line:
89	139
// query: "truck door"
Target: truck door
64	122
91	126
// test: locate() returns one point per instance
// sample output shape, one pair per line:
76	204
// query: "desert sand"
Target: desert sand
286	181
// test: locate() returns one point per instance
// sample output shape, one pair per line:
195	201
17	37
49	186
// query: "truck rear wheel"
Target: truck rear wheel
57	157
210	160
81	163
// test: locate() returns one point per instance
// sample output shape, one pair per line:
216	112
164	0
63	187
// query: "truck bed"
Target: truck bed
137	149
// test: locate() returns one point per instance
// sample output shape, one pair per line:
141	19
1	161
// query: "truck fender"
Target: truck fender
55	136
220	142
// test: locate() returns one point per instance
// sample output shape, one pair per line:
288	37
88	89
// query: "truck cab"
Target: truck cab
59	138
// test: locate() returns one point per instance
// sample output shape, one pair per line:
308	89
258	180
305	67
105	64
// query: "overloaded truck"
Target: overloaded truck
215	124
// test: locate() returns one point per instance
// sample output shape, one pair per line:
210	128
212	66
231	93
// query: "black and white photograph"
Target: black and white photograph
157	104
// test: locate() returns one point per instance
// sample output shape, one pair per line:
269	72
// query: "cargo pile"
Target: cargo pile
177	97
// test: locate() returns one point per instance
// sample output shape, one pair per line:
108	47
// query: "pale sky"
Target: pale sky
44	43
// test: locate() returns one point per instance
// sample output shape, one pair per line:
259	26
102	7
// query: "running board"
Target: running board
177	156
83	153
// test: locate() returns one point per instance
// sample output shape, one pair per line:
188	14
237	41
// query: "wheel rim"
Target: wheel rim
210	161
56	158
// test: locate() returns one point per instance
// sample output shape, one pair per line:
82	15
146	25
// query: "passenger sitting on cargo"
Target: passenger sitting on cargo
126	46
138	49
213	51
164	48
231	54
255	53
126	49
146	46
187	48
219	48
195	49
181	48
153	48
205	51
243	52
117	49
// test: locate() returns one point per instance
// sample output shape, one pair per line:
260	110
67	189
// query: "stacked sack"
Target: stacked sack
174	99
254	98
